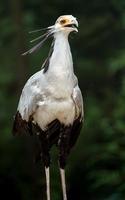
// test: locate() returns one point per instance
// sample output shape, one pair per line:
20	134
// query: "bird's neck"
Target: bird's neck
61	58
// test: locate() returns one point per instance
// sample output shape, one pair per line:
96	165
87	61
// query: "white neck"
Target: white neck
61	58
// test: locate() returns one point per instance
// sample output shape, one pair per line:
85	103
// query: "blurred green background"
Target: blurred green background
96	167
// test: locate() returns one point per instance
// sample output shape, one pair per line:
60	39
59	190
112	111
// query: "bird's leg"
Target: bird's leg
47	172
64	148
46	160
63	183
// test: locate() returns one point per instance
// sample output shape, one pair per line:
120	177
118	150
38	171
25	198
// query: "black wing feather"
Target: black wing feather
20	126
76	128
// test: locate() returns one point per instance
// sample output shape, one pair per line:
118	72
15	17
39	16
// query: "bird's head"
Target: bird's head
65	24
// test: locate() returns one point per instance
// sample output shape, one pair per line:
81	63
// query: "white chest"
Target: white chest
61	109
59	79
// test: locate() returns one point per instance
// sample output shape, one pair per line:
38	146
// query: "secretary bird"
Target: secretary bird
51	104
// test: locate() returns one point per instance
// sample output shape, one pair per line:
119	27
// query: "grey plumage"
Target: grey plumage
51	104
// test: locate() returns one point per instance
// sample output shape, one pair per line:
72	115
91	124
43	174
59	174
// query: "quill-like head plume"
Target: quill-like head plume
65	24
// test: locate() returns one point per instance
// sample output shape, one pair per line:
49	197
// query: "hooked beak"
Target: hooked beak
69	26
74	26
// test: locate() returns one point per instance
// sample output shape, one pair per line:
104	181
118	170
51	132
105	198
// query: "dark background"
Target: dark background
96	167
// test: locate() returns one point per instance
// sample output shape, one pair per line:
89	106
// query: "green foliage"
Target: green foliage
96	167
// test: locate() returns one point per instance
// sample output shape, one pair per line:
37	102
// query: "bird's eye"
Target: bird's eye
63	21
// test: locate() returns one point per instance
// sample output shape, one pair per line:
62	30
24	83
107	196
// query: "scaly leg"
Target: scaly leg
45	156
47	172
63	183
